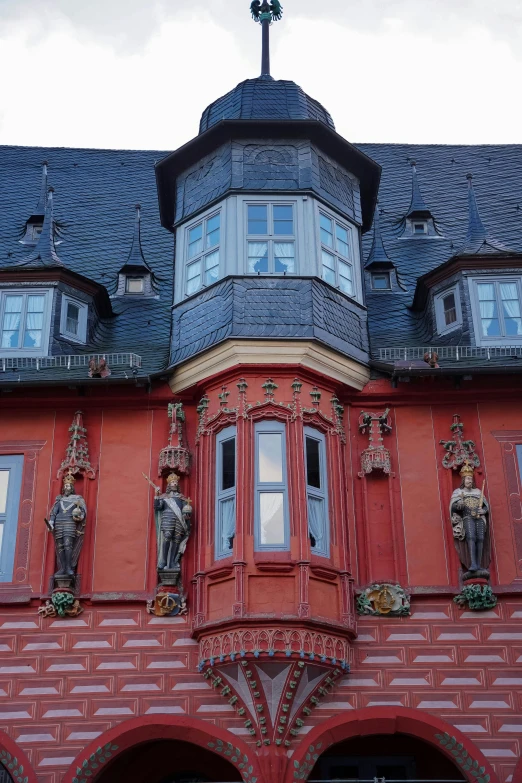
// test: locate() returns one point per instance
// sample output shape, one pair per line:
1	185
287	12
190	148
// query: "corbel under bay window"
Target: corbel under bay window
10	486
271	488
73	322
317	492
226	471
202	242
448	314
497	310
25	317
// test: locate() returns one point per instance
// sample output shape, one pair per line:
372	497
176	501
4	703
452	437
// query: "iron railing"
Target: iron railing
456	352
70	362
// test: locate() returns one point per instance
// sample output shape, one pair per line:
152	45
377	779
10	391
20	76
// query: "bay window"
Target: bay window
270	239
317	491
10	487
271	487
225	491
202	253
24	322
497	311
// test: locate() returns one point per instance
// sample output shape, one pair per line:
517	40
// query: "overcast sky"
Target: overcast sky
138	73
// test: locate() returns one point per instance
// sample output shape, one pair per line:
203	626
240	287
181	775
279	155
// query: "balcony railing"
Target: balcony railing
70	362
455	352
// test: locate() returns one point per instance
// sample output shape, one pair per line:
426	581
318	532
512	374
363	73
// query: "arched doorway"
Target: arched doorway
392	757
169	761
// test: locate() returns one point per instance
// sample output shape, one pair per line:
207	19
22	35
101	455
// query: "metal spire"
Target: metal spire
42	201
266	12
136	259
478	239
417	205
378	255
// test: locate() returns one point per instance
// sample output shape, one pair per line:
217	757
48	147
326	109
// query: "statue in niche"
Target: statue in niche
469	512
173	522
66	522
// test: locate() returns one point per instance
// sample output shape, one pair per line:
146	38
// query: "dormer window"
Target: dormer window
419	227
32	233
447	310
73	322
134	285
381	281
497	310
24	322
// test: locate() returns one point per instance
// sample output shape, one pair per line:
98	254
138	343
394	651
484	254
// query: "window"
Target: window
202	253
134	285
316	491
10	486
270	239
225	491
24	322
497	310
271	515
336	254
419	227
381	281
447	310
73	322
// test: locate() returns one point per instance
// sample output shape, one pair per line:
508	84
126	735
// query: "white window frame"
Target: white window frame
43	350
384	273
9	519
81	337
200	257
442	328
318	493
270	238
353	261
418	221
263	427
475	308
224	496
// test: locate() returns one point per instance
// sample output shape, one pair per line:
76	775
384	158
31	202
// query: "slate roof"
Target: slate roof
265	98
94	204
441	172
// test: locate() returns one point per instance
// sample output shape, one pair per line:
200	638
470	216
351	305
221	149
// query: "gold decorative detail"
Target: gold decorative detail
467	469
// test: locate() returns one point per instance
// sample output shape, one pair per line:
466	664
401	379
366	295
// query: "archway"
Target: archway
14	764
410	731
165	749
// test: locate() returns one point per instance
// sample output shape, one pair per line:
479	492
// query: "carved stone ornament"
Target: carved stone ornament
175	456
376	456
62	604
77	452
469	514
458	450
384	599
168	604
476	596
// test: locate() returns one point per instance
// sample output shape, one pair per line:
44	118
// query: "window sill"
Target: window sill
221	570
274	561
322	570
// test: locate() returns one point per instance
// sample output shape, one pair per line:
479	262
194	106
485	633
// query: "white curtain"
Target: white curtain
488	305
13	309
511	304
316	520
257	251
271	517
228	523
34	322
284	252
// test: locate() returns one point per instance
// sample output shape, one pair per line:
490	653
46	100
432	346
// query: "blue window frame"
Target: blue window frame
271	487
226	472
317	492
10	486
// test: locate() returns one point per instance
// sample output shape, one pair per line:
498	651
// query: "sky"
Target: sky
137	74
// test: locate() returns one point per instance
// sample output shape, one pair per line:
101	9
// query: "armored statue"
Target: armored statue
469	511
66	522
173	522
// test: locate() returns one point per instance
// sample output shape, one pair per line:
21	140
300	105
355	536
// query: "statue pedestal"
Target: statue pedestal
476	577
169	578
64	583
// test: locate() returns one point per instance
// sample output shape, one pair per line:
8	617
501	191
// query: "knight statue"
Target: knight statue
66	522
173	521
469	512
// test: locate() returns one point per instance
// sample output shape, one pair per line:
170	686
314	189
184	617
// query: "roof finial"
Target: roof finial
478	240
418	206
266	12
40	207
44	254
136	259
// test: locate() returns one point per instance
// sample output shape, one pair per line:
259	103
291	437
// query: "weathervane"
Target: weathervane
266	12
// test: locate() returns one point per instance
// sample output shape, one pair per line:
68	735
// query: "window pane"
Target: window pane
2	526
4	482
213	231
34	322
342	241
283	220
326	230
227	511
419	228
228	464
195	241
313	465
193	277
258	257
316	522
345	278
211	267
511	308
134	285
284	260
72	318
488	310
328	267
271	518
257	219
450	311
11	322
380	282
270	457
